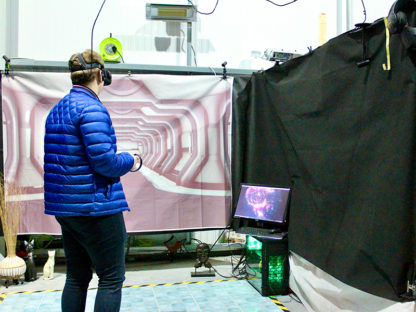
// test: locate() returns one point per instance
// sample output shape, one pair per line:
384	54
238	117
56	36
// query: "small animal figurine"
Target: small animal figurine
31	273
48	268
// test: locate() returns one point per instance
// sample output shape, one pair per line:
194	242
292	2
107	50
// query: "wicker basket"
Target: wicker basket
12	268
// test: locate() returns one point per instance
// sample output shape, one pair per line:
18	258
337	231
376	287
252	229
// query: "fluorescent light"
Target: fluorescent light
170	12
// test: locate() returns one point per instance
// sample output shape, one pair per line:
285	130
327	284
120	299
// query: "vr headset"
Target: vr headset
105	74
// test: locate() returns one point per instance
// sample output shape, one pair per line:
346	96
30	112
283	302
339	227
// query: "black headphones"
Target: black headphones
398	22
105	74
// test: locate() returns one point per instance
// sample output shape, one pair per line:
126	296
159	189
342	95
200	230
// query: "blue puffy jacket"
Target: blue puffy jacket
82	169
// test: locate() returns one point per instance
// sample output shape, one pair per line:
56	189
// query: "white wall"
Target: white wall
53	30
2	27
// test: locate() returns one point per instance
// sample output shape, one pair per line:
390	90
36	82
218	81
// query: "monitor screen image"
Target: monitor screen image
262	203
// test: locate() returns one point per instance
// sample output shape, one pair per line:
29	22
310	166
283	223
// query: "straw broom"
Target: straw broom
12	267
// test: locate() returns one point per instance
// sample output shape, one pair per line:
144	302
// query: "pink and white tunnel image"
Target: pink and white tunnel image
181	125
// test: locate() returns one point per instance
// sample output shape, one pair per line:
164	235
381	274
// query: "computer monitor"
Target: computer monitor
263	203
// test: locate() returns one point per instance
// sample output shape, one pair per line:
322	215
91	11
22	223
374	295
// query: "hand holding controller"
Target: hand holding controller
137	163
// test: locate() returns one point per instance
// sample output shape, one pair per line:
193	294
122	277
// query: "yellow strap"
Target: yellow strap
388	67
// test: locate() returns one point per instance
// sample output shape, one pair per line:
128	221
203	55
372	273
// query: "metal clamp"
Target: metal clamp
224	70
7	65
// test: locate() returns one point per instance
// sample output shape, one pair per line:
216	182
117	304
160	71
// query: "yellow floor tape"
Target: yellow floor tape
279	304
4	295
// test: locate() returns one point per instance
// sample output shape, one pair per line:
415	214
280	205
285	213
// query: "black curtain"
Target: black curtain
343	138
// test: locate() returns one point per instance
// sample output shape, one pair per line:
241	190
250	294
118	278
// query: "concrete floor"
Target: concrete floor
146	272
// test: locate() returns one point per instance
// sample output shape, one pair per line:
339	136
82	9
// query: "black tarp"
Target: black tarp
343	137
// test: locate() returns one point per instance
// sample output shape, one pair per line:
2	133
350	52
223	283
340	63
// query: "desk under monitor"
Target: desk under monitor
261	214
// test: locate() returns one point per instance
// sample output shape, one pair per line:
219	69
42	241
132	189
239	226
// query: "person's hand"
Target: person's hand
137	162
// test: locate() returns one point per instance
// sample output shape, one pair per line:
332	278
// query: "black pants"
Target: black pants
93	242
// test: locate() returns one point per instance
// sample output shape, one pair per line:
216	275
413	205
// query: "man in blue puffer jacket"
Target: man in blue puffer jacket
82	186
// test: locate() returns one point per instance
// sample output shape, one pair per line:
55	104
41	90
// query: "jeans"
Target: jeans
93	242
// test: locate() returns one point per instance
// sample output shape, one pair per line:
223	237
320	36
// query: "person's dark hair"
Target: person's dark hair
82	77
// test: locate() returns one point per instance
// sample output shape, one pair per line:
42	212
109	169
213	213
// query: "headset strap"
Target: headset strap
84	65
